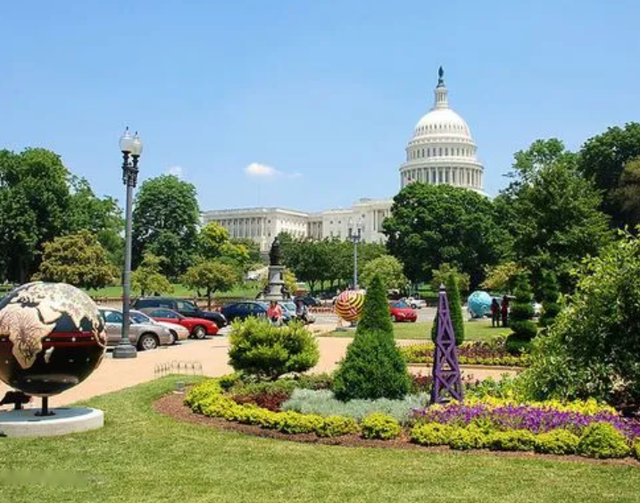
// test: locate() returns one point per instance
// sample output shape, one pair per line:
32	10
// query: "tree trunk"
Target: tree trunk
209	292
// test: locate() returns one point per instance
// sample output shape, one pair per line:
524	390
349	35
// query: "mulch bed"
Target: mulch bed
172	405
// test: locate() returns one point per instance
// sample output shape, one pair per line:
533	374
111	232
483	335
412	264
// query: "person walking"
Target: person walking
495	313
505	311
274	313
302	311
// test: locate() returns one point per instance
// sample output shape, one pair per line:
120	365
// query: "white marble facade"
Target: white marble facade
441	151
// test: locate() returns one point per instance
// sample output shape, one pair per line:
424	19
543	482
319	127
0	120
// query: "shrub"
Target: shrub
335	426
602	440
293	422
635	448
557	442
315	381
267	351
373	367
512	440
324	403
431	434
522	312
380	426
228	381
516	345
455	310
470	437
550	295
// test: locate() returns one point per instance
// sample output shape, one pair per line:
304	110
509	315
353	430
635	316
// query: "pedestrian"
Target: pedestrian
302	311
495	313
505	310
274	313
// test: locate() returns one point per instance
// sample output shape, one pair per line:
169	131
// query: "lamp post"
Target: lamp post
131	148
355	237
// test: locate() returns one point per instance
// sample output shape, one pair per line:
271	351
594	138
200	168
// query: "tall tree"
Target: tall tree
165	222
440	276
628	193
388	268
432	224
78	259
34	199
603	159
148	278
552	212
214	244
210	276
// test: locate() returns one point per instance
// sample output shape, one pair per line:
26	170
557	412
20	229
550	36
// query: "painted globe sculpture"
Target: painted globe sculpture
479	304
51	338
349	305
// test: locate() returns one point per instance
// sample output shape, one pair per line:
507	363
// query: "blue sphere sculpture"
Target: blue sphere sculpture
479	304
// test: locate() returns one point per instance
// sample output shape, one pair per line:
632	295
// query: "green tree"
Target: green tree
373	367
550	295
440	276
252	248
627	196
551	212
433	224
603	159
77	259
148	278
34	201
455	309
520	315
388	268
214	244
502	277
165	222
210	276
591	351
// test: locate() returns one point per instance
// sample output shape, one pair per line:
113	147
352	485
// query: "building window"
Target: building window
446	151
440	154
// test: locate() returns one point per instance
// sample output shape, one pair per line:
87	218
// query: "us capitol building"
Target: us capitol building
441	151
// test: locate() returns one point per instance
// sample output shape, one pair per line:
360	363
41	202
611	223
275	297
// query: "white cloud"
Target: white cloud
257	170
176	171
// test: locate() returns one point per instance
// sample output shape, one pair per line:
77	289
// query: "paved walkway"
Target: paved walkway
211	354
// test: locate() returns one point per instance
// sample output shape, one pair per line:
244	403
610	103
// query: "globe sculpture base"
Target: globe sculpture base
27	422
124	351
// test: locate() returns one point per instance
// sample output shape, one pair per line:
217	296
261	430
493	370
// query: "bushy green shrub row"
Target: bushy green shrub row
423	353
380	426
599	440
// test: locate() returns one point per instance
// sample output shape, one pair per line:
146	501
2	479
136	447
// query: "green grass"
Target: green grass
180	291
473	331
142	457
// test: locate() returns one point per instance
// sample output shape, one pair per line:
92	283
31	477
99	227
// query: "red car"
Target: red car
401	311
198	327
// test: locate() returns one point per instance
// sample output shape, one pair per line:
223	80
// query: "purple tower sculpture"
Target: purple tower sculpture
446	371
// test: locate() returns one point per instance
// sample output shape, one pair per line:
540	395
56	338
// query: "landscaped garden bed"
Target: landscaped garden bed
490	353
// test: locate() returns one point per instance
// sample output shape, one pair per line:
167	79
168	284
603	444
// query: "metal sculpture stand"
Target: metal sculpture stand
44	411
446	370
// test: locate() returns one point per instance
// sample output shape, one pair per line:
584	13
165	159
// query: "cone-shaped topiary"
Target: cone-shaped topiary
455	310
520	318
550	294
373	367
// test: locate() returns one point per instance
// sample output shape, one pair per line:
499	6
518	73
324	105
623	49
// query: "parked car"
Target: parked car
401	311
184	307
415	303
178	332
243	310
308	300
197	327
144	336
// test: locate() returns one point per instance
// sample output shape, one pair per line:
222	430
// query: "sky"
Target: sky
306	104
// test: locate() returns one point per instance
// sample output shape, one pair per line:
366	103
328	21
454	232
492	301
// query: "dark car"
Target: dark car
308	300
243	310
184	307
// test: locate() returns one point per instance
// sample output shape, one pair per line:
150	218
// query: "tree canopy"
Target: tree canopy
433	224
148	278
77	259
165	223
210	276
388	269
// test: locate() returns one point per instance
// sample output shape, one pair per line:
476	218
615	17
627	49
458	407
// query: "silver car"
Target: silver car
142	335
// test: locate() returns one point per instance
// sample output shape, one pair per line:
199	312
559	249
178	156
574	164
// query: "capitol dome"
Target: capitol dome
442	149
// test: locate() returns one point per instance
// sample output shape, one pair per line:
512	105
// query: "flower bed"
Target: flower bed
583	428
469	353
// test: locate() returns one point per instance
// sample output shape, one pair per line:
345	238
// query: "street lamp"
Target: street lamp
355	237
131	148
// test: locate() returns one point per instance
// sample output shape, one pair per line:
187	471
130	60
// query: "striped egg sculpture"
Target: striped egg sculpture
349	305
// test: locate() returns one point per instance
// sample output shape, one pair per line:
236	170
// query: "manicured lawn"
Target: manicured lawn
140	456
474	331
181	291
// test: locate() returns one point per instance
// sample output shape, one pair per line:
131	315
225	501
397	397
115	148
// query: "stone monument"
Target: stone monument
275	289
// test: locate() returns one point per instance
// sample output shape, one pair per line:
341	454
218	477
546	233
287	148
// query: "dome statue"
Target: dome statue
479	304
349	305
442	150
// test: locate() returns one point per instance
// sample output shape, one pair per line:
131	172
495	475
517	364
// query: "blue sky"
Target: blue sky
324	92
